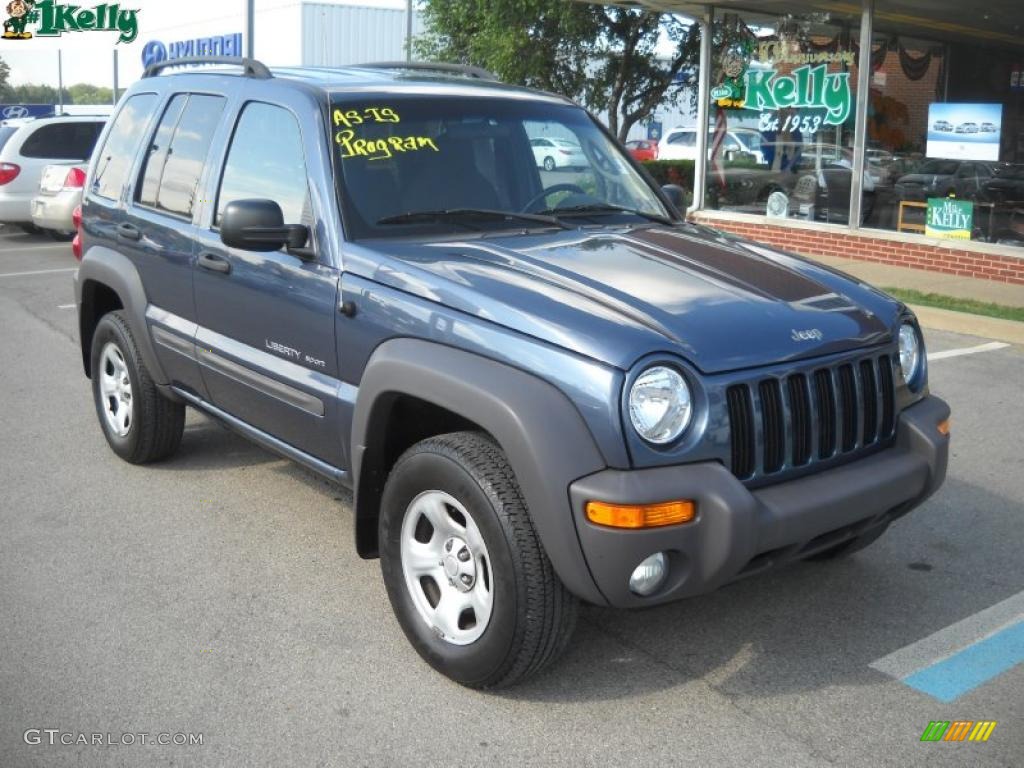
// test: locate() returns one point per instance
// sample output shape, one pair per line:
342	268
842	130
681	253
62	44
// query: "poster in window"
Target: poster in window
964	131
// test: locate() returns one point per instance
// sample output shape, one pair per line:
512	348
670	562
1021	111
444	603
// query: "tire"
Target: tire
30	229
531	615
60	237
152	424
549	163
852	546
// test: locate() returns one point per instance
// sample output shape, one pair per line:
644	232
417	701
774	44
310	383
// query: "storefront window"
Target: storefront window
944	140
783	110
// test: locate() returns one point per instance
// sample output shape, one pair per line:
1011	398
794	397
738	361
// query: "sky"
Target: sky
87	57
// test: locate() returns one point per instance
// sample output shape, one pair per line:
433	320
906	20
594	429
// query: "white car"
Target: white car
60	192
26	149
681	144
557	153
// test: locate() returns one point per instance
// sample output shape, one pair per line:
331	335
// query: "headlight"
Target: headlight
910	352
660	405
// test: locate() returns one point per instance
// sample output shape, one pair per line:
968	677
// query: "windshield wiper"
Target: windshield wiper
470	213
598	209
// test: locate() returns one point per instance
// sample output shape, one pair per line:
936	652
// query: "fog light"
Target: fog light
944	427
648	577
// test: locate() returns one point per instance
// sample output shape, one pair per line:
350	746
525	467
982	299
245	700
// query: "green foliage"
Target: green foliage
86	93
671	172
602	56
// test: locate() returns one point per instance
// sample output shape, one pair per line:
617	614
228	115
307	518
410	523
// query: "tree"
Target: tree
5	76
602	56
543	44
86	93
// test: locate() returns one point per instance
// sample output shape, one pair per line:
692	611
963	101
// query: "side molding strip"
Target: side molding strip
265	384
267	441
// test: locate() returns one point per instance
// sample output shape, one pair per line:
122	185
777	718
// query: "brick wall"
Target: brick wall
827	242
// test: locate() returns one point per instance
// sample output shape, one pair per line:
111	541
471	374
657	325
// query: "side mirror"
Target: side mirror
258	225
676	195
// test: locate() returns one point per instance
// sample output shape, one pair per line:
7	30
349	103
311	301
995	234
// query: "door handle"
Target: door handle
214	263
129	232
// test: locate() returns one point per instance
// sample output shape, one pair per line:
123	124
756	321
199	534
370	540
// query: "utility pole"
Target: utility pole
250	24
408	30
60	82
113	98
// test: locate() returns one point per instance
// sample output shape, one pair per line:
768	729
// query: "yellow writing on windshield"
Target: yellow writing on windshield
380	149
351	117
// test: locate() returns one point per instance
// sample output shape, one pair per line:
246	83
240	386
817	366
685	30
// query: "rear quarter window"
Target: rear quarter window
62	141
115	159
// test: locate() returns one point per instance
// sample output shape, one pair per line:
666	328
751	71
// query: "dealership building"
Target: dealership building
898	151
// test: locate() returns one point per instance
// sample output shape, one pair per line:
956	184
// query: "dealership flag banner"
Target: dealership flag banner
949	218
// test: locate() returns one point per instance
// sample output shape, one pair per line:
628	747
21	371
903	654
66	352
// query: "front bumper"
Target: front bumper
740	532
54	211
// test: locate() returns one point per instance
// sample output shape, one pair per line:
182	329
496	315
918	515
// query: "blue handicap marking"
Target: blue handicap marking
972	666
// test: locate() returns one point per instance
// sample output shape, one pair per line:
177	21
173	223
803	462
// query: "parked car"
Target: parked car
1006	185
944	178
30	148
60	192
535	402
550	154
967	128
643	149
681	144
988	128
942	126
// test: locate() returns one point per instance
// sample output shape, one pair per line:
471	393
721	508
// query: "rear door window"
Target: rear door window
63	141
115	159
174	163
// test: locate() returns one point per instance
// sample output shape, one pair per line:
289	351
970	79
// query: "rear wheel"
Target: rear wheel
29	229
140	424
466	574
60	237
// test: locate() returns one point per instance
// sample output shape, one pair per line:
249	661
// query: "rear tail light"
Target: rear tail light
75	179
76	220
8	172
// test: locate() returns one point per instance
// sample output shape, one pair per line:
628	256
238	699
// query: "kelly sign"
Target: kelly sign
949	218
807	86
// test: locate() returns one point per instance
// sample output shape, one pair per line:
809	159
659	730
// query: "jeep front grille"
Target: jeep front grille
783	423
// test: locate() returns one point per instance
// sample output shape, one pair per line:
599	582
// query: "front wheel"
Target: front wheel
549	163
466	574
140	424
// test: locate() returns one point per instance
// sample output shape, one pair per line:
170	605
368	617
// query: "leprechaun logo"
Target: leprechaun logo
54	19
19	14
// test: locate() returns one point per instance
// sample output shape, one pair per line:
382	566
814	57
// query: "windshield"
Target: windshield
414	165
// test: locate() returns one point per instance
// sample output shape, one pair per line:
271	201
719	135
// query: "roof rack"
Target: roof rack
433	66
250	67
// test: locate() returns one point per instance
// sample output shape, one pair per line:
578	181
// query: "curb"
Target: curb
993	328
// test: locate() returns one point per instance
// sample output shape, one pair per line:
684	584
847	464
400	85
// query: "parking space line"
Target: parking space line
964	655
38	272
44	247
991	346
976	664
65	306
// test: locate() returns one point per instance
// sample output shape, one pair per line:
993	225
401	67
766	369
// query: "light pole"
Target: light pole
250	25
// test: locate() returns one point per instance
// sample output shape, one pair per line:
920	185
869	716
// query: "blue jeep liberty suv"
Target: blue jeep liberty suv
541	383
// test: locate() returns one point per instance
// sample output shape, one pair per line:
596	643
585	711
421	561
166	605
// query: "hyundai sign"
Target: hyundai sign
156	51
12	111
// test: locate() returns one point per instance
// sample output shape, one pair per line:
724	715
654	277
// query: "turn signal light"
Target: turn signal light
641	515
944	427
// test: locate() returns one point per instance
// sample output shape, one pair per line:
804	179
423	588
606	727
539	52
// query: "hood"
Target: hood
618	295
924	179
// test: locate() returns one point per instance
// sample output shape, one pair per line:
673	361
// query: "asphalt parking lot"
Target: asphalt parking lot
219	594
